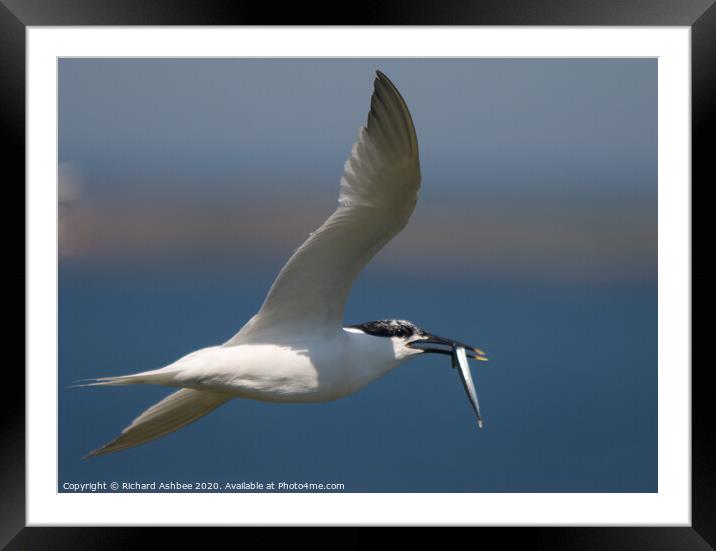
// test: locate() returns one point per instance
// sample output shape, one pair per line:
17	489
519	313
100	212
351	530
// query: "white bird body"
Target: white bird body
299	368
296	349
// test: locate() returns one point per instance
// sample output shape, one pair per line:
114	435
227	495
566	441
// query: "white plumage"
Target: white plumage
295	349
378	192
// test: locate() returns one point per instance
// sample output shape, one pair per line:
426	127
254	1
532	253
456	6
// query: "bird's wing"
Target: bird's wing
378	192
172	413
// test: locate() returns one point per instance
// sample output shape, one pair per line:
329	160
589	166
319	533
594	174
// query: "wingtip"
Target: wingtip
102	450
93	453
99	451
381	77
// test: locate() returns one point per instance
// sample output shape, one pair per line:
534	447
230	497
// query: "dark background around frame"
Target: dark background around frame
15	15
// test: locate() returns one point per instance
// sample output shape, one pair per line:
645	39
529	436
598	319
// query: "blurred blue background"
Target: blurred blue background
185	184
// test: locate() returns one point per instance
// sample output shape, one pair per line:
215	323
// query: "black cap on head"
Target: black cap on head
390	328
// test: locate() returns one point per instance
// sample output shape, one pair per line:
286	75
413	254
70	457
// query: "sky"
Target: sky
195	156
186	184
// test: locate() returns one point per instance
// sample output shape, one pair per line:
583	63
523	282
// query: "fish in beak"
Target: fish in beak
459	362
459	352
440	345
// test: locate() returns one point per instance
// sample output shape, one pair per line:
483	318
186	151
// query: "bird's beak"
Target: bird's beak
441	345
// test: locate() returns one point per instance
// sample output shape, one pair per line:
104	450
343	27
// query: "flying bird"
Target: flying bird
296	348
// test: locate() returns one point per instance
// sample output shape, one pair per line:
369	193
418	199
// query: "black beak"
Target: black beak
440	345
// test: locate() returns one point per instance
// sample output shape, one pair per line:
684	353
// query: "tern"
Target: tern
296	348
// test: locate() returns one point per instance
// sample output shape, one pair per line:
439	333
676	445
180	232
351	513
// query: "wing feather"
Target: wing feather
378	192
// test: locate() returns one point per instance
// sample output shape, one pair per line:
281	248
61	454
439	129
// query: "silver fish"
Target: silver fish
459	362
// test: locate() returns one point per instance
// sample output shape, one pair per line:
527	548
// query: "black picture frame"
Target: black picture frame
16	15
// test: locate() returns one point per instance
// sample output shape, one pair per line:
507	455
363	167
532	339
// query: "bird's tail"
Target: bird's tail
173	412
157	376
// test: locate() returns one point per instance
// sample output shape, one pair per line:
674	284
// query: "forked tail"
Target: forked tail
173	412
157	376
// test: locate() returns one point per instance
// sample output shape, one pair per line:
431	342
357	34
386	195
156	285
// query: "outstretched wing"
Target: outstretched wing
378	192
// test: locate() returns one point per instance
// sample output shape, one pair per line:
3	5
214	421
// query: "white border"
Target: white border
671	506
